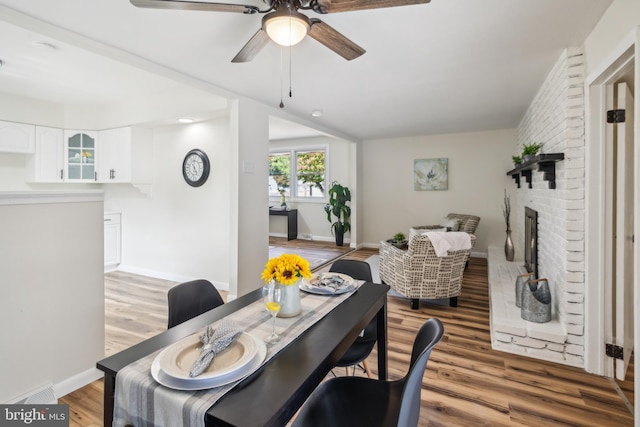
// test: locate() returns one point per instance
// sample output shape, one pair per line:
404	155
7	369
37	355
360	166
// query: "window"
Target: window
279	173
307	177
310	173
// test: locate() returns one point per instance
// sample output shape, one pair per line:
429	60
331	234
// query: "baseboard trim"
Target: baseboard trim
311	237
77	381
178	278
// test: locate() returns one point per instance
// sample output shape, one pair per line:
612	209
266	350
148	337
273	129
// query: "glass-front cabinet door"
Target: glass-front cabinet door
80	156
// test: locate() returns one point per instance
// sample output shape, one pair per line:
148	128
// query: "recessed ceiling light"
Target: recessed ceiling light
43	45
316	113
185	120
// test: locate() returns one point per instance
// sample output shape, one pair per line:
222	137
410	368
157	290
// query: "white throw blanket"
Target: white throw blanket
451	241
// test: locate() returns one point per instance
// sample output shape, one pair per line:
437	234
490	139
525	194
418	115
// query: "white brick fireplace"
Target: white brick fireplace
555	118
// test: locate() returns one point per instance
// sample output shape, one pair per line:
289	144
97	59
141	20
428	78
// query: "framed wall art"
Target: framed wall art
430	174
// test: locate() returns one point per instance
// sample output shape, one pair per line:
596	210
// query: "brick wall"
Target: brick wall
556	118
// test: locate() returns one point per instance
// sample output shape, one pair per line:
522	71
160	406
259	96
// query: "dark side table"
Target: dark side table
292	221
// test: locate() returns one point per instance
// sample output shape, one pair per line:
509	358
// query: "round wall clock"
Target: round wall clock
195	168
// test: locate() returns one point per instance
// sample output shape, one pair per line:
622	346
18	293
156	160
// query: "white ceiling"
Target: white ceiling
45	68
447	66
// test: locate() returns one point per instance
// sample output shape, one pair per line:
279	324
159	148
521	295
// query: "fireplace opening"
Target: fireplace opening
531	240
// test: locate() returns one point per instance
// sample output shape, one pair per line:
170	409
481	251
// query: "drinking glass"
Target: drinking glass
272	295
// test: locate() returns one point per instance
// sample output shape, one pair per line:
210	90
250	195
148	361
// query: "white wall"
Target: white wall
174	207
26	110
51	291
248	204
312	220
179	101
555	118
617	23
181	232
478	163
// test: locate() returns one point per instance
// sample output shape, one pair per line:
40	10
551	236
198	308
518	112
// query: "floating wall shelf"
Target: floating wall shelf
545	163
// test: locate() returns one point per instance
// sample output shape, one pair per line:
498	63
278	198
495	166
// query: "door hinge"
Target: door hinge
615	116
614	351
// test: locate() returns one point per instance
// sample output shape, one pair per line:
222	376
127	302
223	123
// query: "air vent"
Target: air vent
44	396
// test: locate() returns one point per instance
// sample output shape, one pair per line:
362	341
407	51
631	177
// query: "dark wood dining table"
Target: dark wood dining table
272	395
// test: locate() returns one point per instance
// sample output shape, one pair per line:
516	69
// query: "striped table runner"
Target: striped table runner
140	401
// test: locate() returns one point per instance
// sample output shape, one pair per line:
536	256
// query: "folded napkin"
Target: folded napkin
214	342
452	241
329	283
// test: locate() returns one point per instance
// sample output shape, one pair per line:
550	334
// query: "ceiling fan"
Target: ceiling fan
284	24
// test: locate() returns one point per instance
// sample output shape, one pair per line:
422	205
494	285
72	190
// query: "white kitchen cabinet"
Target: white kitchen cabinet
17	137
126	155
46	164
80	156
112	242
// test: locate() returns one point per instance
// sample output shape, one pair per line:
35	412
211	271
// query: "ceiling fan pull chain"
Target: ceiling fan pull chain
290	53
281	102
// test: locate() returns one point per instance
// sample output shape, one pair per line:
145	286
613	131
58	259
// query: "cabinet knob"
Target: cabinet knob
61	174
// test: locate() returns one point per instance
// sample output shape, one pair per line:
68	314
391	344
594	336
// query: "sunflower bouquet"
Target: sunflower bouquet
286	269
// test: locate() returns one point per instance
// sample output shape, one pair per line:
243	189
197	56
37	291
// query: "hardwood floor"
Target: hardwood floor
466	382
316	252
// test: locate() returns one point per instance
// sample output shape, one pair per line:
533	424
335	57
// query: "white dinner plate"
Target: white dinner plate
308	286
177	359
207	379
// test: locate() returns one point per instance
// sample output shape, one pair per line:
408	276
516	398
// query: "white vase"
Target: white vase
290	300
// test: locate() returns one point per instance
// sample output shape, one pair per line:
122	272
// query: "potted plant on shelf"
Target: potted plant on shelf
516	160
339	196
530	150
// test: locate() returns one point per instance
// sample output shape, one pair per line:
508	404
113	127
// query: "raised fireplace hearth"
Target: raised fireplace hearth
511	333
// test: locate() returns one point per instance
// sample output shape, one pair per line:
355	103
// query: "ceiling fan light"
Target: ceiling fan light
286	29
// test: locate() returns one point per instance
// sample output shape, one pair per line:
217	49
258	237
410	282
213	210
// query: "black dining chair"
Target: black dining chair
359	401
190	299
363	345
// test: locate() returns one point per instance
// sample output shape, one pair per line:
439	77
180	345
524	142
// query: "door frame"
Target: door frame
598	317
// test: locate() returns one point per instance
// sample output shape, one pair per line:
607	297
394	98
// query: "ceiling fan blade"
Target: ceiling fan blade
335	41
335	6
194	5
253	46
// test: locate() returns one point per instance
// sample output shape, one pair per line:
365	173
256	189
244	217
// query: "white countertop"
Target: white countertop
39	197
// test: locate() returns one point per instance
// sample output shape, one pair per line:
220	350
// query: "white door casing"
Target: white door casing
624	220
626	54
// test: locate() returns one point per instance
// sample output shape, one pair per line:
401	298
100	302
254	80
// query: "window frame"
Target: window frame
293	177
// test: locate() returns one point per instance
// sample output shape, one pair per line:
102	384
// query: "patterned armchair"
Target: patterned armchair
419	273
466	223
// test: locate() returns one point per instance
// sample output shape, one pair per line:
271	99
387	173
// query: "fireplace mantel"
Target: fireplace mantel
545	163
